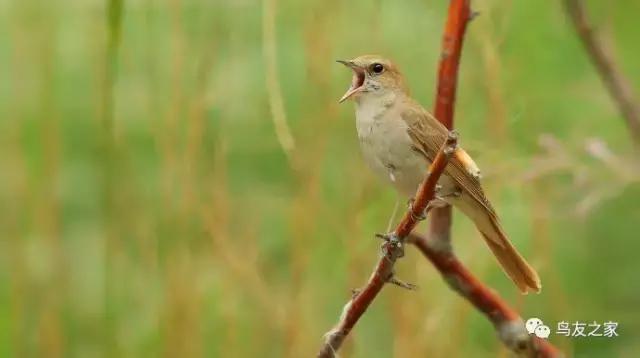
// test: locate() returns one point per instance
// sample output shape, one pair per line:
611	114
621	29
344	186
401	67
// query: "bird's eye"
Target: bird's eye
377	68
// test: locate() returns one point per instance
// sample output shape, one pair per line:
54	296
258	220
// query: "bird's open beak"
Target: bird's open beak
357	80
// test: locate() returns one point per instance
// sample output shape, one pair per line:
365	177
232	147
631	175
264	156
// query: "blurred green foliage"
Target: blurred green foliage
147	208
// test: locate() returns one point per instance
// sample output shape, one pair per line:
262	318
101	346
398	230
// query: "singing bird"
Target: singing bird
399	139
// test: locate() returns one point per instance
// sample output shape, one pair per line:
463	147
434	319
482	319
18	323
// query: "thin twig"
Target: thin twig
392	250
602	57
506	320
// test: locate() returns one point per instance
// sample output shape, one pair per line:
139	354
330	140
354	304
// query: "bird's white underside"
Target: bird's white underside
387	147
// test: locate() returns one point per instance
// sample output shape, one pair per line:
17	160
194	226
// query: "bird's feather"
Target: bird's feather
428	135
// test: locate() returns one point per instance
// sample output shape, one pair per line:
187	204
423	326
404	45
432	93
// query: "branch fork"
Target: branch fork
437	246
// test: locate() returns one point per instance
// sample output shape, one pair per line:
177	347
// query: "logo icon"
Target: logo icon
542	331
536	326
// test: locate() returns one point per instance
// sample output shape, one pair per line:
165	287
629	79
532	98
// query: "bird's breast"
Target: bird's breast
387	147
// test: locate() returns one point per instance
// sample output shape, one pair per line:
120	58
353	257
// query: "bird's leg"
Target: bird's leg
390	236
435	203
393	215
440	199
396	245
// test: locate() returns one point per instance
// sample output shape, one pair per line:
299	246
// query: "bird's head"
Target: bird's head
373	76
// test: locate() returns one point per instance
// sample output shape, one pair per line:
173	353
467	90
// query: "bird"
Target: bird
399	139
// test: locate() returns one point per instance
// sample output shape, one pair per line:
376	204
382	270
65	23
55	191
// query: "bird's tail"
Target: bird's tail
513	264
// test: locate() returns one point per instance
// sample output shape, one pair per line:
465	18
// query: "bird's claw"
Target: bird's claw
393	240
418	217
436	203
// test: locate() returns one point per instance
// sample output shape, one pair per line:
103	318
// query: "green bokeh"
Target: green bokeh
147	207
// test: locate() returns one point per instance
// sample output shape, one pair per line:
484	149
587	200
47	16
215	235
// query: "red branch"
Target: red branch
437	247
459	15
392	250
505	319
617	84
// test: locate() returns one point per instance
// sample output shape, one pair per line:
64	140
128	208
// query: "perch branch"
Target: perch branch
459	14
601	56
392	249
506	320
437	247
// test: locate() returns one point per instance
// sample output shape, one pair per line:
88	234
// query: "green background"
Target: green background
148	209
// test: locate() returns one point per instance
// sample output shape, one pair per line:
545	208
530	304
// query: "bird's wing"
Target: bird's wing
428	135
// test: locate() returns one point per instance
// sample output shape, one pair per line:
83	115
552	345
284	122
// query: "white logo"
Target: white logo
537	327
532	323
607	329
542	331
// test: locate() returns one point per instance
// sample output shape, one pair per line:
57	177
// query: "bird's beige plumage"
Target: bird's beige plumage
399	138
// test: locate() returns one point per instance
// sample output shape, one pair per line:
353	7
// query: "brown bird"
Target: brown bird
399	139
